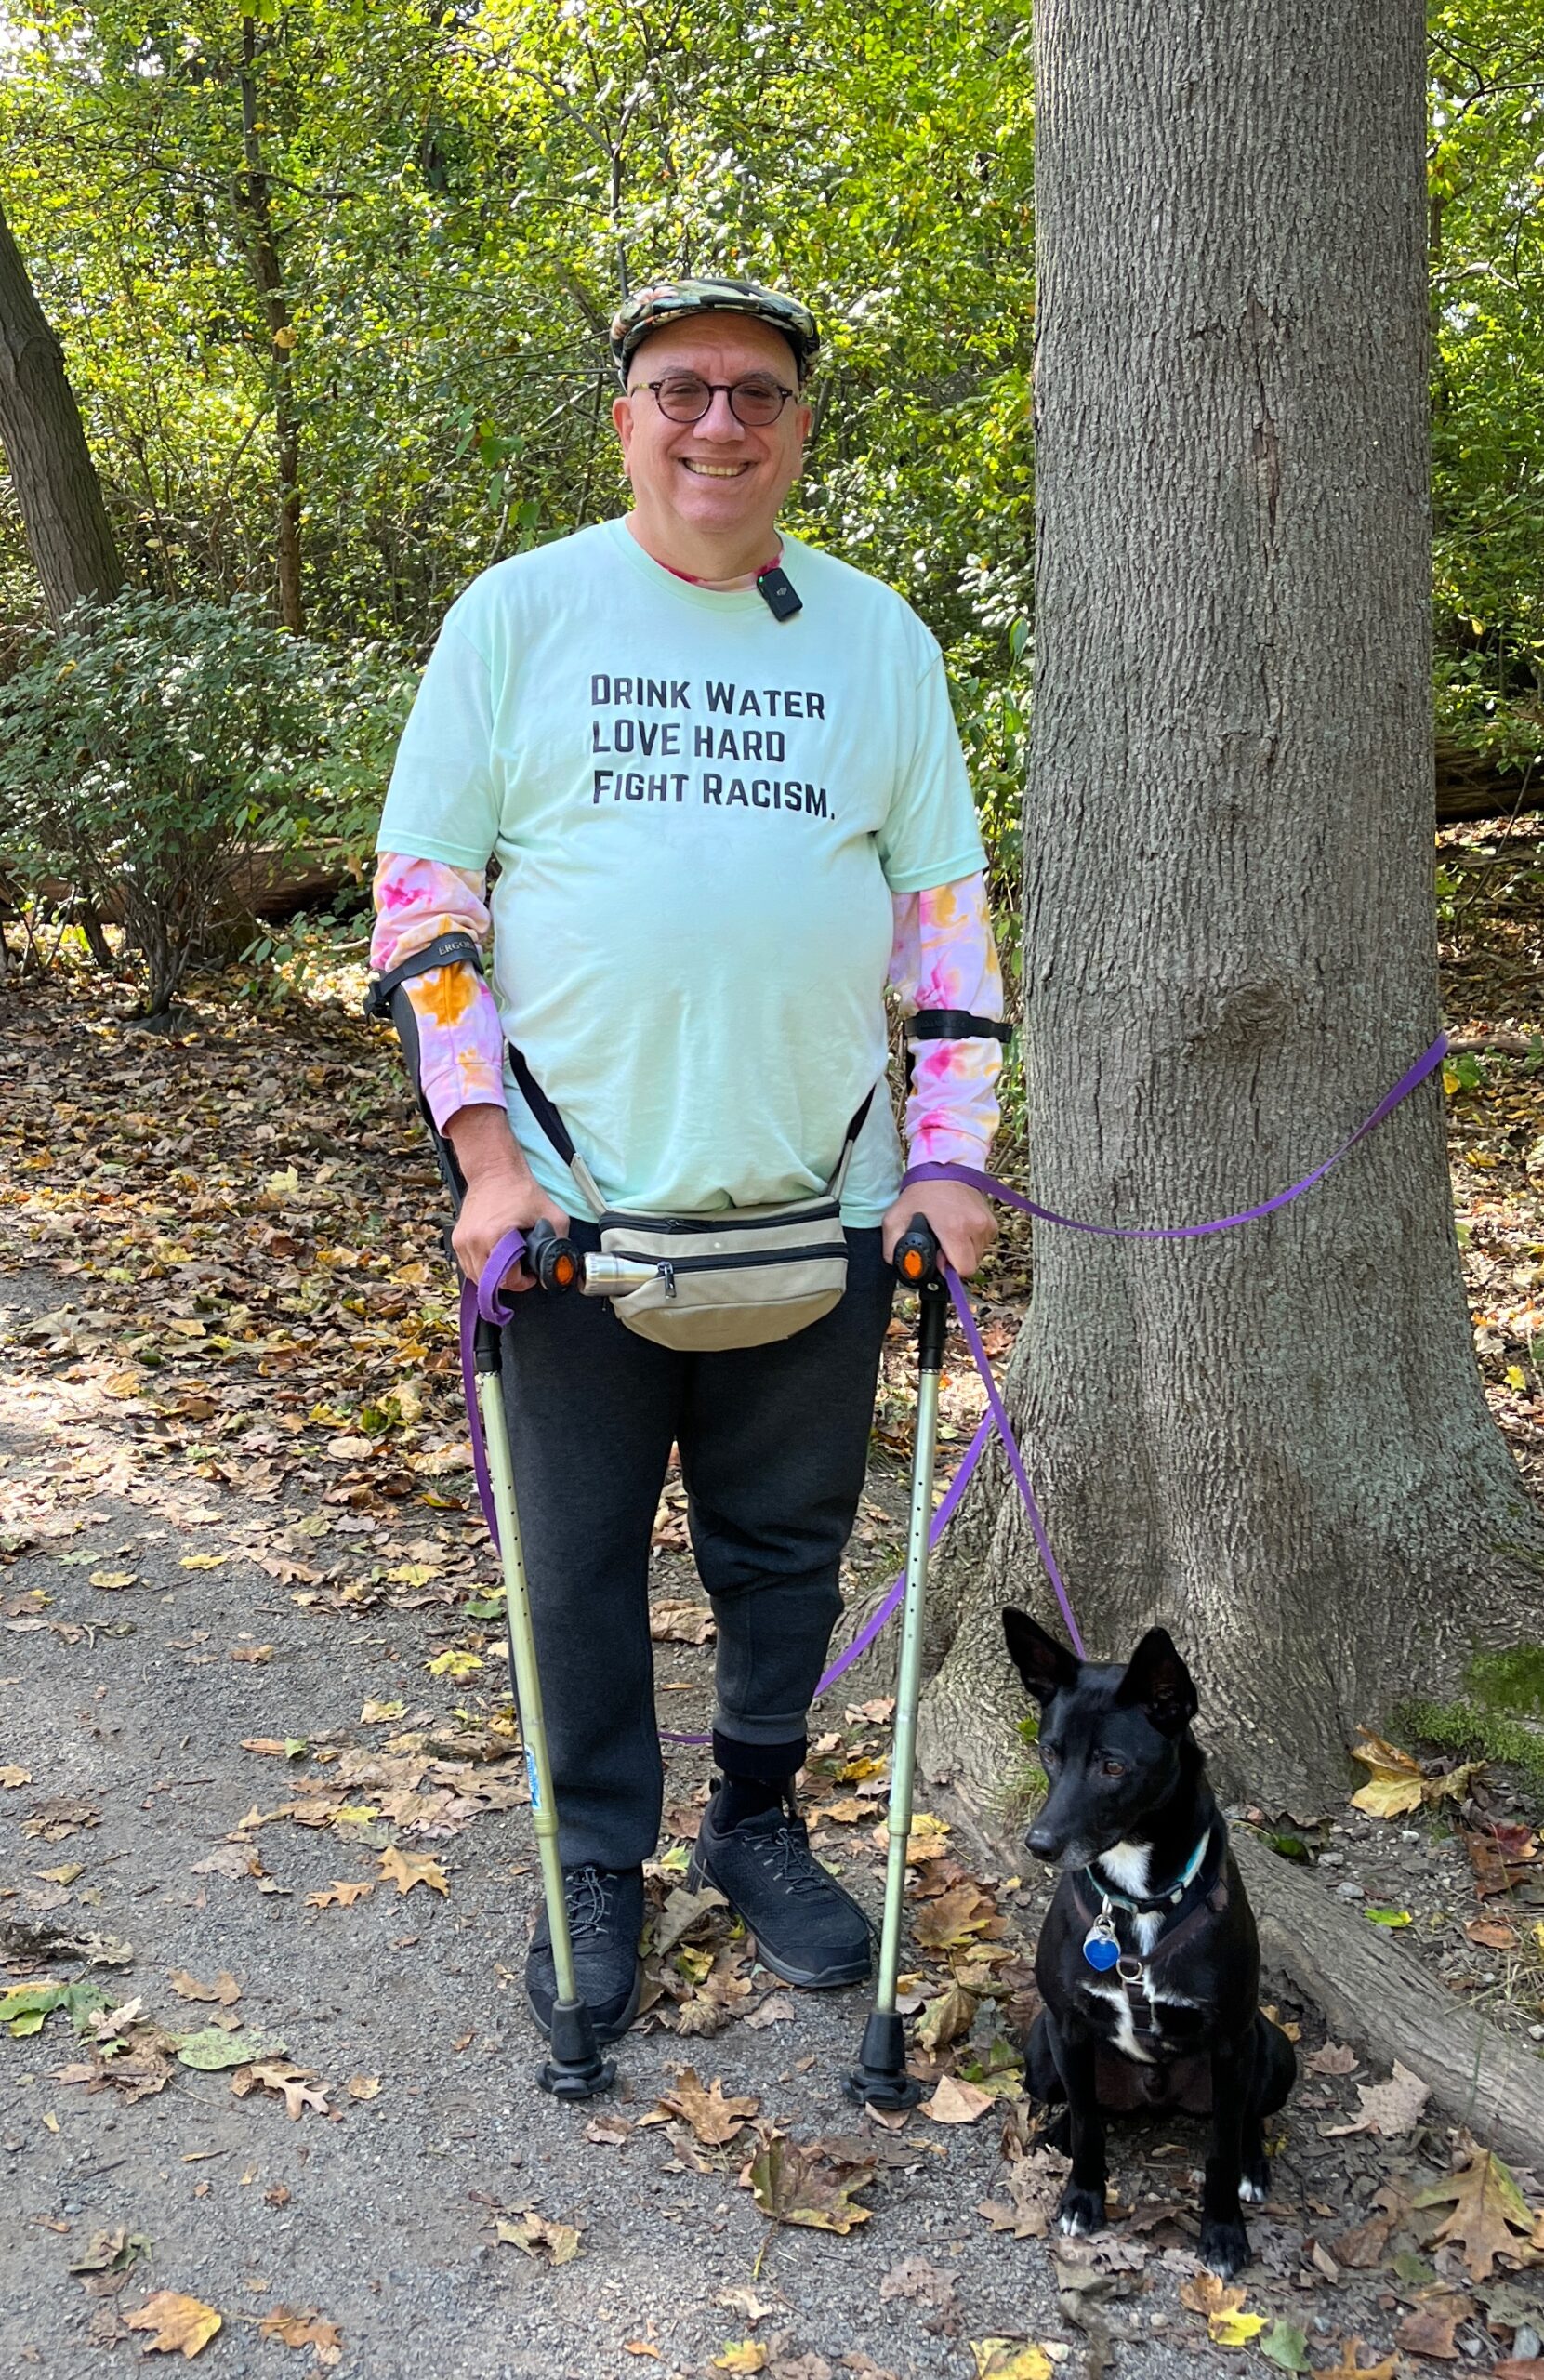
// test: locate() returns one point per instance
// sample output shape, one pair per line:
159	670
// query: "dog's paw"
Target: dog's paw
1255	2187
1224	2247
1080	2211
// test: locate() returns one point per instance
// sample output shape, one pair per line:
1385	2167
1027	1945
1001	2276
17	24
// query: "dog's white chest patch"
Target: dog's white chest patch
1125	2040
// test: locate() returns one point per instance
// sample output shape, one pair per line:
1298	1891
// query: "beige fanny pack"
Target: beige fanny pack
740	1277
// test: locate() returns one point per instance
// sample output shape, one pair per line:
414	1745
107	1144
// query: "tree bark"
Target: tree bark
1274	1440
59	495
260	240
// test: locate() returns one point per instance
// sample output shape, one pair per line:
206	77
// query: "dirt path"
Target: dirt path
252	1690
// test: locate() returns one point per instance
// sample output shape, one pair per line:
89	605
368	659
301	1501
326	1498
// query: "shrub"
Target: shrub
149	745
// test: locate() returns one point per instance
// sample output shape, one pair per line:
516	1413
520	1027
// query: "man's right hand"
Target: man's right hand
502	1193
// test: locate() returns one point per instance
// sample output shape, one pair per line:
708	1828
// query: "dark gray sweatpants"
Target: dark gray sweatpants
774	1443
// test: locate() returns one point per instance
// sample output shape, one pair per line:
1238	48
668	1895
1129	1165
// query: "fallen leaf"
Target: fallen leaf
211	2051
362	2086
803	2185
1395	1785
956	2102
261	1653
1334	2059
951	1918
1488	2207
1429	2329
296	2084
225	1989
1491	1933
1235	2329
375	1713
1388	2108
405	1868
777	2009
1010	2360
1388	1916
1350	2369
338	1896
916	2277
308	2329
11	1778
1286	2346
681	1623
111	1579
550	2243
1208	2294
202	1560
714	2119
179	2323
682	1913
1500	1853
946	2018
111	2251
741	2355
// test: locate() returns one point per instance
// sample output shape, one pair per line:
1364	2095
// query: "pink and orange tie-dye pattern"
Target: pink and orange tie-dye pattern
460	1046
943	956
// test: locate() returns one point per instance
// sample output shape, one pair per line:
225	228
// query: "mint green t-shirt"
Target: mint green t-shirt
699	813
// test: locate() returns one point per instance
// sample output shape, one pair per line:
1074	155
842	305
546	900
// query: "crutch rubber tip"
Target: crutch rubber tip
576	2069
880	2079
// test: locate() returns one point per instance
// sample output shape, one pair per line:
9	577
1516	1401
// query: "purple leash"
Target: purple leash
484	1302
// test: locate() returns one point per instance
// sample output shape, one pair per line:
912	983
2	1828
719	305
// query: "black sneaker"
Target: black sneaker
605	1918
808	1929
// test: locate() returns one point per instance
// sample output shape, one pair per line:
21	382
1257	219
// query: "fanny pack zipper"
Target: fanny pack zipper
691	1224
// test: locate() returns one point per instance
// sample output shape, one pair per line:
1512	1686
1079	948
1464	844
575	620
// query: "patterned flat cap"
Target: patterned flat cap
672	301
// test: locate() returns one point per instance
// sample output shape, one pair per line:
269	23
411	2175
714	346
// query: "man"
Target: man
720	775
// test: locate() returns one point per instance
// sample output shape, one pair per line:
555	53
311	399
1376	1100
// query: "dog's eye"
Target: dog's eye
1048	1755
1108	1767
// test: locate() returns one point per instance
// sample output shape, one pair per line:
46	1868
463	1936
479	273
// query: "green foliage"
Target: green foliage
1468	1727
153	744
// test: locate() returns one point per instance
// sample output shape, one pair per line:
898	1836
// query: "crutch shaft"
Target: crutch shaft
522	1656
907	1689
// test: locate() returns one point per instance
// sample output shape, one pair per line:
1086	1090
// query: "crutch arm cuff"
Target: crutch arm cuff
956	1025
446	950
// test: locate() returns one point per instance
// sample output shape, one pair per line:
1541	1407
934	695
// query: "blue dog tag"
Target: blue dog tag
1101	1950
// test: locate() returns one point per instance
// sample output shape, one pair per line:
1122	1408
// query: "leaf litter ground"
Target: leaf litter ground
268	1878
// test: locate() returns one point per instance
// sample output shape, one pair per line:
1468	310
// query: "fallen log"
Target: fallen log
1378	1996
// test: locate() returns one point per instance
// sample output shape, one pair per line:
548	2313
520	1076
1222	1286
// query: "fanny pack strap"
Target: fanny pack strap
557	1133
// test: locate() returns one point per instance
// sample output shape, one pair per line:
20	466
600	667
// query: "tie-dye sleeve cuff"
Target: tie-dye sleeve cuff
460	1044
944	955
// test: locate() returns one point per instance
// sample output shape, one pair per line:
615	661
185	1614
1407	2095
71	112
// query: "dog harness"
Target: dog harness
1201	1893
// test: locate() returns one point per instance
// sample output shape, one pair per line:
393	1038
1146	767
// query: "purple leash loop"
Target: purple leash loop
481	1301
485	1300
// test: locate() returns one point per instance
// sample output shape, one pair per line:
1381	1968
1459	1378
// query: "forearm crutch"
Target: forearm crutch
880	2078
575	2068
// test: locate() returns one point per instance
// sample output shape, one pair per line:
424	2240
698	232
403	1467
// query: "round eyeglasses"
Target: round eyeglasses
681	396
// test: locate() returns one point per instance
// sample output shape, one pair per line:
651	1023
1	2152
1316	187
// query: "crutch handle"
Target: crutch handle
552	1258
917	1253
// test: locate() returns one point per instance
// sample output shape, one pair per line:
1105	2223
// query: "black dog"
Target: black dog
1148	1961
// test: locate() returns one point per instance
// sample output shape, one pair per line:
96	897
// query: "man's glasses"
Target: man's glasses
682	397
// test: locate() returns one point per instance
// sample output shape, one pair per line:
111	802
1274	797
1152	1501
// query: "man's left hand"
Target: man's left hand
961	1218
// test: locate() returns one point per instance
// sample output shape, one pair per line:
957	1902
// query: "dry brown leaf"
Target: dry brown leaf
1429	2329
296	2084
405	1868
946	2018
310	2329
956	2102
1491	1933
952	1917
225	1990
1350	2369
364	2086
548	2243
338	1896
1388	2108
182	2325
1395	1783
806	2185
916	2277
1208	2296
251	1652
1334	2059
682	1913
681	1623
714	2119
1487	2209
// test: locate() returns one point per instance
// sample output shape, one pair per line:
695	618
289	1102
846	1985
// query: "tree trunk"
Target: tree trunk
57	487
1275	1440
260	240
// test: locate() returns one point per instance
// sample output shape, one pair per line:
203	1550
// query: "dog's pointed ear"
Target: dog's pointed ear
1045	1666
1157	1682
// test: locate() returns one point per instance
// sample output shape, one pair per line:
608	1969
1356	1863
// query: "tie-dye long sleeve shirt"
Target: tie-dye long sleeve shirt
943	956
